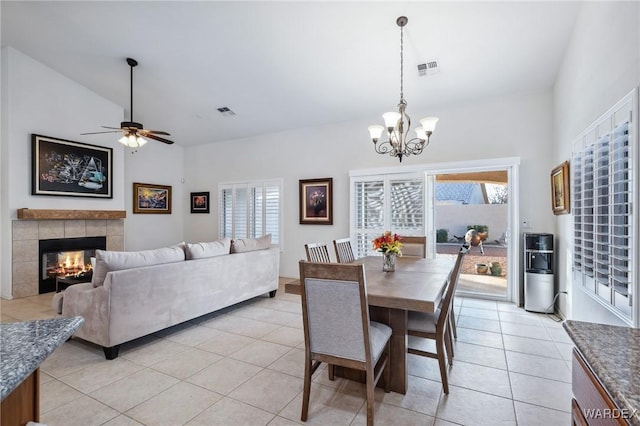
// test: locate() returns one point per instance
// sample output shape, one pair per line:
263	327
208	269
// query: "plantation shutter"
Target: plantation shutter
386	202
251	210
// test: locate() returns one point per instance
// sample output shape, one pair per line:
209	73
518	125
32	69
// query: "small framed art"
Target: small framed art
560	201
316	201
200	202
151	198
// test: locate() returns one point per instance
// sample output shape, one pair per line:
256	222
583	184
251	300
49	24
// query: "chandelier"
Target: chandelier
397	143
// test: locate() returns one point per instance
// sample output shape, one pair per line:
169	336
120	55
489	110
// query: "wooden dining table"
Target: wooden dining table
417	284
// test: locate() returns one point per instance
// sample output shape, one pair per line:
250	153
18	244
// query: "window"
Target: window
385	203
604	226
251	210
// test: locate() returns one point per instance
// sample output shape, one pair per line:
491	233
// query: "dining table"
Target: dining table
417	284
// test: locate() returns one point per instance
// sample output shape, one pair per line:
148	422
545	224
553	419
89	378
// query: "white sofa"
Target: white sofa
181	283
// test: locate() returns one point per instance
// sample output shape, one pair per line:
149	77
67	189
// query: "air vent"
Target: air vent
226	111
428	68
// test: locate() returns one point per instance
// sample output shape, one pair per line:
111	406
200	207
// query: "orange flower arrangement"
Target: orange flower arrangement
388	243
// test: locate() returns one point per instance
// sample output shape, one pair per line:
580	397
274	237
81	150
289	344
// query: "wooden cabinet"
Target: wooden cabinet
591	404
23	404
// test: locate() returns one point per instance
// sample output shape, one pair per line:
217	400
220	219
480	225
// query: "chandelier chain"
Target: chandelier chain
401	64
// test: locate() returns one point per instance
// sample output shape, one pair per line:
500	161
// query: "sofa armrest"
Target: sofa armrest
92	304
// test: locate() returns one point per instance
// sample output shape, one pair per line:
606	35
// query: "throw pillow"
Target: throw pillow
214	248
251	244
118	260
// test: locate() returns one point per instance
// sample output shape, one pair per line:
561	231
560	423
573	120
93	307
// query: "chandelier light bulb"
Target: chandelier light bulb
391	119
421	134
429	124
375	132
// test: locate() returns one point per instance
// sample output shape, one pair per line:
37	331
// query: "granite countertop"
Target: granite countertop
24	345
614	356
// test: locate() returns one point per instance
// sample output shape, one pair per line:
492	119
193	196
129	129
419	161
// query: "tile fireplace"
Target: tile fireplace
27	258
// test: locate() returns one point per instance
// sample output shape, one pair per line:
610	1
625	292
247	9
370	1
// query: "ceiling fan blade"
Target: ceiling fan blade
157	132
97	133
114	128
159	139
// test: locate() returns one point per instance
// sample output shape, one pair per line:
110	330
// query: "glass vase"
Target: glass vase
388	262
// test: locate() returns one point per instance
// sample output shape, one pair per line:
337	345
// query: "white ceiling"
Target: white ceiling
284	65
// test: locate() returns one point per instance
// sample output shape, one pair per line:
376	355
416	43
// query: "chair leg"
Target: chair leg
306	389
442	362
448	343
370	398
452	319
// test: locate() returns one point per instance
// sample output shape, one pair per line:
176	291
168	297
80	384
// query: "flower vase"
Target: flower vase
388	262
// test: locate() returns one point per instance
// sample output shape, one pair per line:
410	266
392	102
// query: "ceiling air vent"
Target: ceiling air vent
226	111
428	68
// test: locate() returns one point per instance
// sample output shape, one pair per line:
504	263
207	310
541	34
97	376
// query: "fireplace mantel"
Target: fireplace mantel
38	214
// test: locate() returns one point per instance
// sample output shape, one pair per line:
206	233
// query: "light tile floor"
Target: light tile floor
244	366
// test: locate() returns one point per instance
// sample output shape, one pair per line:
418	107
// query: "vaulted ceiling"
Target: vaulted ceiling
284	65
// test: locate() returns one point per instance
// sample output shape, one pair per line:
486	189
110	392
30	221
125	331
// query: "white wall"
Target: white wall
601	65
36	99
513	126
160	164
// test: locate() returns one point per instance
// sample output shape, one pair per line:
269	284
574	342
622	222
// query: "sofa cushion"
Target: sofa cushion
214	248
251	244
117	260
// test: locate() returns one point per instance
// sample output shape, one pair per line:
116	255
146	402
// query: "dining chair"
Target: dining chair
344	251
414	246
337	328
317	252
436	326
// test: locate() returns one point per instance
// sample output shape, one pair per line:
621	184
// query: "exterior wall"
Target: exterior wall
455	218
602	64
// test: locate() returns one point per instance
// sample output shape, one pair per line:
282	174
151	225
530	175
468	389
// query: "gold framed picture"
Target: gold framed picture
560	201
150	198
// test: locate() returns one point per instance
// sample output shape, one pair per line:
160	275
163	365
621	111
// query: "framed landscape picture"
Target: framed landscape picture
200	202
316	201
150	198
560	201
67	168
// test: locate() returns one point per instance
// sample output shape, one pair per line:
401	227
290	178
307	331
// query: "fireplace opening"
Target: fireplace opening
67	261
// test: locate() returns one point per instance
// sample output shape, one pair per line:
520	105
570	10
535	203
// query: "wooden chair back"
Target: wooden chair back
414	246
344	251
317	252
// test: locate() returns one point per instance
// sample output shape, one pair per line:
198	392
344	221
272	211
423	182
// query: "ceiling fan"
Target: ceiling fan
134	133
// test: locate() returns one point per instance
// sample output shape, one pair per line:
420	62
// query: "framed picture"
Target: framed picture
560	201
150	198
316	201
199	202
67	168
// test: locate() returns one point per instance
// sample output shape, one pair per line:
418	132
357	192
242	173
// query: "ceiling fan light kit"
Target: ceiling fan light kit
134	133
398	144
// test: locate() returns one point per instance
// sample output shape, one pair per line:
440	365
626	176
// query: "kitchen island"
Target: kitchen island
605	373
23	347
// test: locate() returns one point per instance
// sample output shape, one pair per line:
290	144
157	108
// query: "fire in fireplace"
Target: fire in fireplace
68	259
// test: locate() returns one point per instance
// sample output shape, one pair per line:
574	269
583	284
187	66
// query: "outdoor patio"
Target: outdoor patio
472	281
